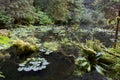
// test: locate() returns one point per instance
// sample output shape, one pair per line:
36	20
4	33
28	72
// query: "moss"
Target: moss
5	42
24	48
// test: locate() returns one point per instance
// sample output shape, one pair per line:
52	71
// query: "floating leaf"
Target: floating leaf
34	64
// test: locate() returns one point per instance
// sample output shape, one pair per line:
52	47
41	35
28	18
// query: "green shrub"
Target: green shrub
5	19
43	18
22	11
93	18
30	19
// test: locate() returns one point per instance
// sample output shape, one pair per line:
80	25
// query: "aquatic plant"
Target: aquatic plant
46	51
33	64
51	45
20	32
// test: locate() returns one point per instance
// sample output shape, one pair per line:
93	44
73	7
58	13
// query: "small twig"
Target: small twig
117	29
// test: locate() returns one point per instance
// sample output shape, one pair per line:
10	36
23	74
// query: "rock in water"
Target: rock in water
61	66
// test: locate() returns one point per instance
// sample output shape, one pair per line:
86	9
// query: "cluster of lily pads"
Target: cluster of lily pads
33	64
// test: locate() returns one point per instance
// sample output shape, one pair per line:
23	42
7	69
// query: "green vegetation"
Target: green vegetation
1	75
5	42
34	30
23	48
6	20
43	18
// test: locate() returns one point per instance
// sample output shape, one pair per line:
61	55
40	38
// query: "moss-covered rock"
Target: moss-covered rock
4	56
22	49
